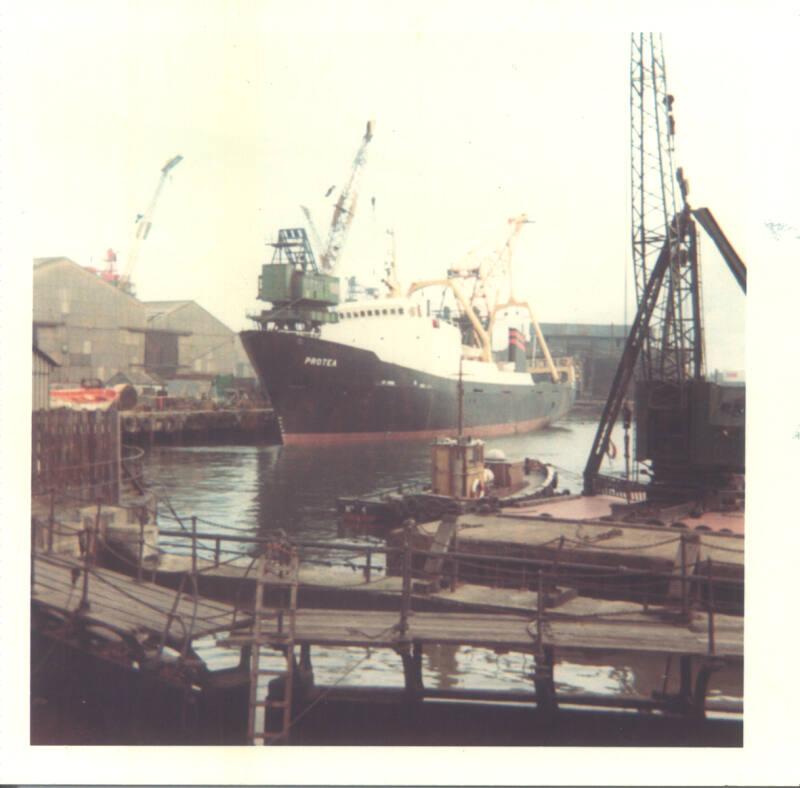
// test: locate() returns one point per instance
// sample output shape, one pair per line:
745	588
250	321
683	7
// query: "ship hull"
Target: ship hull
327	392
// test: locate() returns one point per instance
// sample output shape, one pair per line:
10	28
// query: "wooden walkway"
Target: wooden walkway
121	604
642	633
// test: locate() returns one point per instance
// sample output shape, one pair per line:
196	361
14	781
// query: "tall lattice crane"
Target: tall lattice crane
143	224
691	432
345	208
673	348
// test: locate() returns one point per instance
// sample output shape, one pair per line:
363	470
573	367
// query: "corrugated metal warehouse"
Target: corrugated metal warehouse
91	328
42	367
204	344
597	349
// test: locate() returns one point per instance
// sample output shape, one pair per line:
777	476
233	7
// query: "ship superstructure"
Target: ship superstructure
394	367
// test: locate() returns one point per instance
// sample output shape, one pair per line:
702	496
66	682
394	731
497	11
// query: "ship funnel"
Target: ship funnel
516	349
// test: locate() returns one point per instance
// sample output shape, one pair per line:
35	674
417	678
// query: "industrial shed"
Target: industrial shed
89	327
595	347
186	339
43	367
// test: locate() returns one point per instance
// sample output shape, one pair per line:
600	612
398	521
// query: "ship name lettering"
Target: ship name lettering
316	361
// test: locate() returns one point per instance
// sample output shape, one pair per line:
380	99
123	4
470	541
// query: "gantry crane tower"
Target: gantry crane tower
299	288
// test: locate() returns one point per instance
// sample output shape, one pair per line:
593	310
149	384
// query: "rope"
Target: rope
595	546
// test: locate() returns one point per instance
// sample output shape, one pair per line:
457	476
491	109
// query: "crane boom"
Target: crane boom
733	261
145	222
345	208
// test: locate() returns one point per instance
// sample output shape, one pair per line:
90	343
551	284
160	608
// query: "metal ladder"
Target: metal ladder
279	563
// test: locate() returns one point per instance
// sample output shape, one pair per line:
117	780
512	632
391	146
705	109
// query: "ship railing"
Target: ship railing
618	487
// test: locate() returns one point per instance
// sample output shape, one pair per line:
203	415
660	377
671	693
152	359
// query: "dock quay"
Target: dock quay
197	425
141	628
597	556
700	648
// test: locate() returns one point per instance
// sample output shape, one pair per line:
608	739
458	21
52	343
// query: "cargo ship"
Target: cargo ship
389	368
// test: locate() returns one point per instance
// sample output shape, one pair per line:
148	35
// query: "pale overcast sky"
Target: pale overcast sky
482	110
477	120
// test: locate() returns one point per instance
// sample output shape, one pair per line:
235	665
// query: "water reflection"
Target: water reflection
294	488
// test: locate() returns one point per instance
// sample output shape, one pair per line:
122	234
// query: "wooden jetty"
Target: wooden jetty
200	425
105	616
646	633
702	643
136	612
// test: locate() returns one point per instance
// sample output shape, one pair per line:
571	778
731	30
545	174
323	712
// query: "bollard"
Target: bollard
216	551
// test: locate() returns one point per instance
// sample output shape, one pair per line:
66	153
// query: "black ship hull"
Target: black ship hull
327	392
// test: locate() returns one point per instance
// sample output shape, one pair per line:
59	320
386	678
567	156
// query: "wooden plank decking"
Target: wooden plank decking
605	542
637	634
125	605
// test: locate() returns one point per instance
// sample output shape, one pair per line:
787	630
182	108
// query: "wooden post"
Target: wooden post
87	531
543	681
216	551
684	588
140	567
710	601
368	567
685	690
117	457
405	597
51	526
33	554
412	672
454	578
539	612
194	545
555	560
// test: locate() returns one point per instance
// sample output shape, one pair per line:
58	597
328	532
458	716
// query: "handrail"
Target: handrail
612	570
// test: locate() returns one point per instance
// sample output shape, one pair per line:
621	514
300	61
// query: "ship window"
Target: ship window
392	311
369	313
400	311
362	313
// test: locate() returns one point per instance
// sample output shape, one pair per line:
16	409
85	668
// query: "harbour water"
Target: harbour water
294	488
